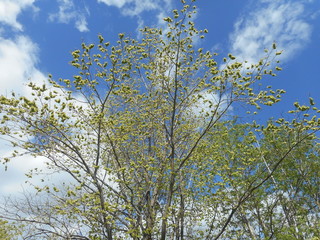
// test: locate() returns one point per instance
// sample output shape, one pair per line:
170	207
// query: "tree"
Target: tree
144	131
280	186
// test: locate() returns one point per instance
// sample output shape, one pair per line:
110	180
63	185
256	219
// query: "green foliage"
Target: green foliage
144	130
8	231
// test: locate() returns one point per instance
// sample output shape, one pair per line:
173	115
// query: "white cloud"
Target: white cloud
81	24
68	13
13	180
18	59
17	64
10	9
282	22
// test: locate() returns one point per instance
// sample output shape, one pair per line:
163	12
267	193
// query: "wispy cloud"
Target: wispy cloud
69	13
283	22
9	11
116	3
136	7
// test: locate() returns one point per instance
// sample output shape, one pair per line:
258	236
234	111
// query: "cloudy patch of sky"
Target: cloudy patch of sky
10	9
69	13
283	22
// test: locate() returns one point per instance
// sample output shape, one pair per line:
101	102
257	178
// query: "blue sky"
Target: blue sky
37	37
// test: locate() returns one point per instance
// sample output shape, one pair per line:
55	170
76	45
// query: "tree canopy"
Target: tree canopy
148	133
